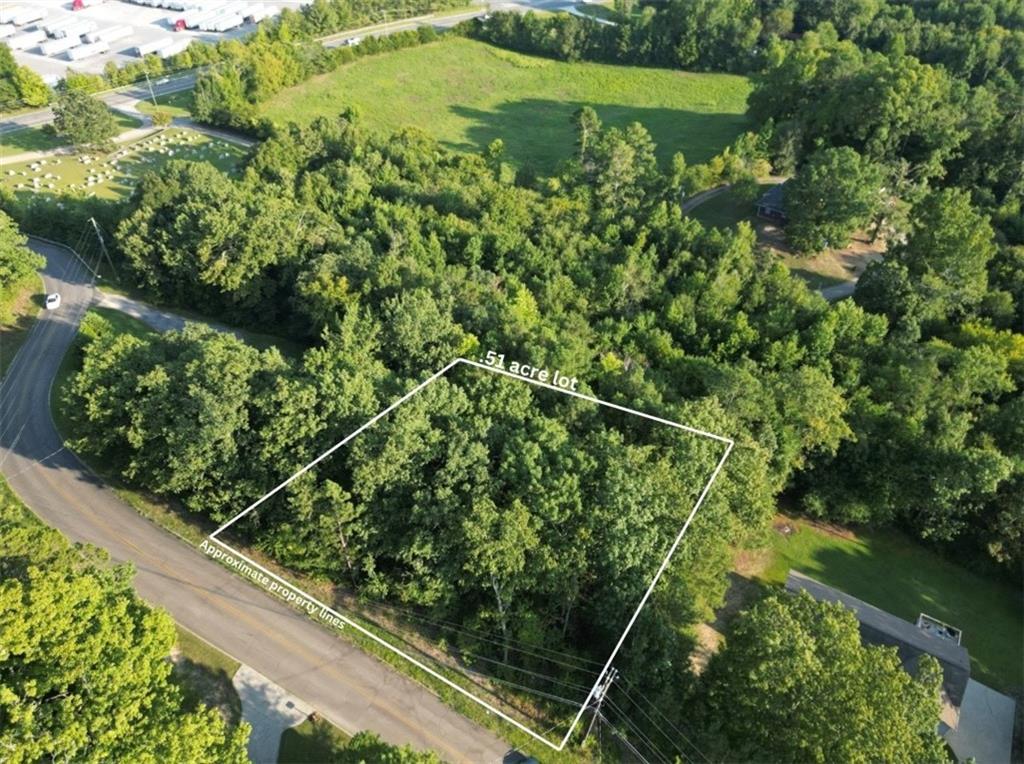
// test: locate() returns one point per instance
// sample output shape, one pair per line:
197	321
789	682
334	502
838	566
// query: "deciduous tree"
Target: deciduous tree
793	683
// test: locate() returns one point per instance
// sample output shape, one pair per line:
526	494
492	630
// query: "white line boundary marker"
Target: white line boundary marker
362	630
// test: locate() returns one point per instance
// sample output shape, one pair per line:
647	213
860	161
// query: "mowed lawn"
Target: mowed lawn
893	572
467	94
37	139
114	175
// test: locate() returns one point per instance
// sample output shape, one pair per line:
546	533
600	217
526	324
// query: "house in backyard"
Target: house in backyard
976	721
772	204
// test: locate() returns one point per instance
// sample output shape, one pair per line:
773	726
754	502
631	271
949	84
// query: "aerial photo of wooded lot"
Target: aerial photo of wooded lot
797	225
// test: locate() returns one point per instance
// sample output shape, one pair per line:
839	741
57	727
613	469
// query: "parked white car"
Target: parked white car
53	301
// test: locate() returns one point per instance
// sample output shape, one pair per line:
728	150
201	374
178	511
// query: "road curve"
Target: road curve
350	688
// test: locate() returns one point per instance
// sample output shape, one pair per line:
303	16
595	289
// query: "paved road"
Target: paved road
161	320
838	291
128	136
115	99
124	99
348	687
698	199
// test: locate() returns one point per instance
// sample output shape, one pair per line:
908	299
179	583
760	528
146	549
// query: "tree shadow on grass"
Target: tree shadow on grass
205	685
29	139
539	132
312	742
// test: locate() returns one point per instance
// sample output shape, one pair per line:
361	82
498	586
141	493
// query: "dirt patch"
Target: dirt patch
826	268
742	591
784	527
832	529
750	563
709	640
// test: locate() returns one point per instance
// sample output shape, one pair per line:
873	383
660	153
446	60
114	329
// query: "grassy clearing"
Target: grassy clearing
18	313
38	139
28	139
902	577
312	743
467	94
114	175
120	283
176	104
819	271
727	209
204	673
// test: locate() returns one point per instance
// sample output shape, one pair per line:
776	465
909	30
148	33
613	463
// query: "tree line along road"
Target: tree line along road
348	687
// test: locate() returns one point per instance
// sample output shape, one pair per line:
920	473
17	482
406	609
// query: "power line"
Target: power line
671	741
599	697
467	630
541	693
476	634
664	718
625	741
638	732
545	677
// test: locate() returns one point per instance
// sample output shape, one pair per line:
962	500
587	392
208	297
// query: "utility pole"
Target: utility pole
103	245
152	95
598	699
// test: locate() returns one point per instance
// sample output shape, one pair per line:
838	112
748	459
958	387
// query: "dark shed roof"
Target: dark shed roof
878	627
774	198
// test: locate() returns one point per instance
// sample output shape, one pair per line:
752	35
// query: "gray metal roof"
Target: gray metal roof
878	627
774	198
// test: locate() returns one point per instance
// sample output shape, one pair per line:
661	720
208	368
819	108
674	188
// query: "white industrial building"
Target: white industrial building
52	36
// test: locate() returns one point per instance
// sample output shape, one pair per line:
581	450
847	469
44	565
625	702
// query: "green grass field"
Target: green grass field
177	104
19	306
37	139
114	175
727	209
904	578
467	94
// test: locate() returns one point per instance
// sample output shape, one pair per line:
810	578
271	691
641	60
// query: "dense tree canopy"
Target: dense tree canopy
18	263
388	256
835	193
794	684
403	256
84	674
19	85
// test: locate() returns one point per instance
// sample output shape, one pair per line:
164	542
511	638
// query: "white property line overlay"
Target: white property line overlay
362	630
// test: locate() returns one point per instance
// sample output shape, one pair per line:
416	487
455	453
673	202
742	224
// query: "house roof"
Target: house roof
774	198
878	627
